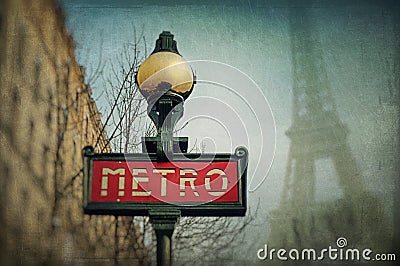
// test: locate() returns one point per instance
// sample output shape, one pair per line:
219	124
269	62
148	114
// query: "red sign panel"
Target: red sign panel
137	183
171	182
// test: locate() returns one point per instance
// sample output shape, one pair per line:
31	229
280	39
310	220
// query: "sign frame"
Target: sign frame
237	208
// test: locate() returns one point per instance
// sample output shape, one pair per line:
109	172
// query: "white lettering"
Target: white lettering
184	172
265	250
366	252
281	254
224	182
136	180
164	173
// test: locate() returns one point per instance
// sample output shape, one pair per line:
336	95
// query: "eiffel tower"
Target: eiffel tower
317	135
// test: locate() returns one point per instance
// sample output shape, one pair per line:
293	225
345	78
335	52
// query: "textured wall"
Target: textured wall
47	115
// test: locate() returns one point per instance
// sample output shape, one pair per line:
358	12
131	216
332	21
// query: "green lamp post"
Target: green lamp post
165	79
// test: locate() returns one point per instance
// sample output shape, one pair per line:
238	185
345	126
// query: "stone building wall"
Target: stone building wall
47	116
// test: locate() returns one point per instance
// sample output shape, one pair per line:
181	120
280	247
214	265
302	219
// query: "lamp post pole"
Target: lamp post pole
164	224
165	86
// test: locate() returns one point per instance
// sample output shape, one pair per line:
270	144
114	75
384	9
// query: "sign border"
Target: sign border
237	208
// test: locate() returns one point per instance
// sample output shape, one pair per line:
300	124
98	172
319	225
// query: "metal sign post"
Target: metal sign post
164	224
165	182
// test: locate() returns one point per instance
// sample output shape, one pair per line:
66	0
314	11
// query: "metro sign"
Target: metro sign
194	184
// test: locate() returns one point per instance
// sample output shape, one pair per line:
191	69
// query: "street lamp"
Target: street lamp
165	79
